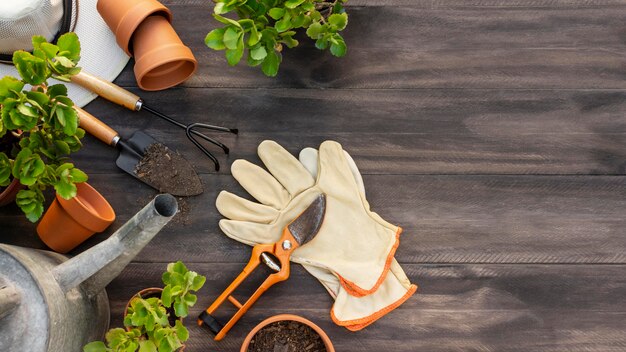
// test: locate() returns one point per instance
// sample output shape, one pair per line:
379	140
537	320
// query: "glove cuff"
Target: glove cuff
356	291
358	324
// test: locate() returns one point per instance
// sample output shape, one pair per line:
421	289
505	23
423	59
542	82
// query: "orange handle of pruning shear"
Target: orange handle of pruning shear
282	251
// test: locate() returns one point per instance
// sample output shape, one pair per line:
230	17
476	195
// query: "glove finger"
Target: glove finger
309	156
334	171
250	233
237	208
260	184
285	167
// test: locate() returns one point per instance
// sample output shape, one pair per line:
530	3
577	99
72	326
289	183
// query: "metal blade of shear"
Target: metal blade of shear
305	227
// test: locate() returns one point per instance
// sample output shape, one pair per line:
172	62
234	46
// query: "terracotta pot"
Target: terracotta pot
124	16
69	222
161	59
7	196
282	317
147	293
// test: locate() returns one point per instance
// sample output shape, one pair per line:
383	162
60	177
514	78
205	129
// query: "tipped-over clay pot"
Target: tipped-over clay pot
143	29
124	16
69	222
161	59
283	317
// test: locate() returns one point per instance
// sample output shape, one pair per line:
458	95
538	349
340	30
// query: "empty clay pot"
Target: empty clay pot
69	222
161	58
143	29
123	17
281	317
8	194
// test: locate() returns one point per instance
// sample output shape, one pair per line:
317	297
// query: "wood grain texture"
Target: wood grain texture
492	131
459	307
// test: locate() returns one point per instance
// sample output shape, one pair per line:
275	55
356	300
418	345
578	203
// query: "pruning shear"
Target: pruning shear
276	256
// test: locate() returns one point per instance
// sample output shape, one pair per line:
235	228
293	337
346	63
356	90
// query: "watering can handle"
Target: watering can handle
107	90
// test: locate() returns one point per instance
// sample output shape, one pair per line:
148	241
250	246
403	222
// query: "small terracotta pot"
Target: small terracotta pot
282	317
147	293
69	222
8	195
124	16
161	59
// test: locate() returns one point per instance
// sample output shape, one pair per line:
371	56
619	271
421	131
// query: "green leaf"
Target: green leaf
315	30
32	69
231	38
62	147
147	346
338	48
338	21
57	90
234	56
65	62
321	43
8	85
292	4
30	202
50	50
180	308
298	21
166	296
71	122
215	39
255	36
258	53
276	13
198	282
282	25
226	20
181	332
96	346
5	170
270	64
69	46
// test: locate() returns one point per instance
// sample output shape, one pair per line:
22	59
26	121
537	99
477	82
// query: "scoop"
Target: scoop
184	181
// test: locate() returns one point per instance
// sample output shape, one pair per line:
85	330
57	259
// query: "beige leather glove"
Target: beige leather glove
352	312
352	242
355	313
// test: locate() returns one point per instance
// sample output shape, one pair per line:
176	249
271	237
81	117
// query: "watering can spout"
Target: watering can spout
96	267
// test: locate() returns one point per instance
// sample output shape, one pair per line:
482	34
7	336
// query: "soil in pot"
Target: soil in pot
160	169
286	336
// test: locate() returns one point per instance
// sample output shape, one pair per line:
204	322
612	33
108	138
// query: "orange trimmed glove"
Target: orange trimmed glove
352	253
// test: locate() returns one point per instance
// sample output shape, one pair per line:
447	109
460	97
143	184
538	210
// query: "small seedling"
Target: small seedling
147	320
44	123
265	26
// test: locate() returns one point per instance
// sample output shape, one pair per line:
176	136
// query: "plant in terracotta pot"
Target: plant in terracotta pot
153	318
39	126
265	26
287	332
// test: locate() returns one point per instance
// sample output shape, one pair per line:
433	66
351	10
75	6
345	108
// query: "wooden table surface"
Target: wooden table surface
492	131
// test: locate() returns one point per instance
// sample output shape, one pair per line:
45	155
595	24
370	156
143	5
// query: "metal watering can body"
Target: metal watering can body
49	303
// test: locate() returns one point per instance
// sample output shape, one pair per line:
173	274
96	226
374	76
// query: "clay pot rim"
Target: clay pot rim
127	25
95	218
281	317
5	195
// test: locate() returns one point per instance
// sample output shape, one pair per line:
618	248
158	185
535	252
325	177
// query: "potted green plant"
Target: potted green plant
40	125
265	26
153	318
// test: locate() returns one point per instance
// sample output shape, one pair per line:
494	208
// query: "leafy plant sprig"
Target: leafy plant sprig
147	320
264	26
44	122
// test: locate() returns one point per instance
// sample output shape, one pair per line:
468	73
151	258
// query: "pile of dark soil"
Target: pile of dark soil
286	336
167	171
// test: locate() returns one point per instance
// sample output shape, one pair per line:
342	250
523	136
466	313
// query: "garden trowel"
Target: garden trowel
276	256
185	181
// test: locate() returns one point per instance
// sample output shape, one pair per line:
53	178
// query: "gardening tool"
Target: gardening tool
132	151
121	96
50	303
276	256
352	255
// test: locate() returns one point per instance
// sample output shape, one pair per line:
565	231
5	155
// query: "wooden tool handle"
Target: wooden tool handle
107	90
96	127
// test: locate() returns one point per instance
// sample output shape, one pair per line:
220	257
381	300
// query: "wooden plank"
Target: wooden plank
446	219
434	48
459	307
393	131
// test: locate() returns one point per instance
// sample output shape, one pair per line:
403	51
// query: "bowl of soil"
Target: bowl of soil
287	333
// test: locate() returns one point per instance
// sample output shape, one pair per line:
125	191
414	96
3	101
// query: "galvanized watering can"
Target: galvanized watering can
51	304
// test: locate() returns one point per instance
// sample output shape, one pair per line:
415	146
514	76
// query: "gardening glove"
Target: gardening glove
352	242
355	313
349	311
